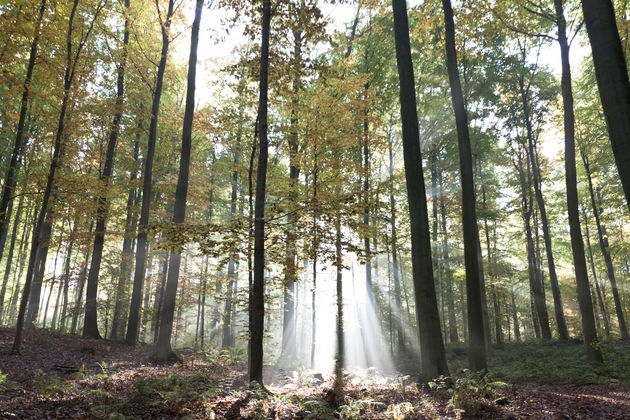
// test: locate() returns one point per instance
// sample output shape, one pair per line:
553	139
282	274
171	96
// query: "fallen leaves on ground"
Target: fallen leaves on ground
68	377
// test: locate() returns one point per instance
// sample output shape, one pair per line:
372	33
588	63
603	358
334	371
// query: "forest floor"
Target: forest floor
64	377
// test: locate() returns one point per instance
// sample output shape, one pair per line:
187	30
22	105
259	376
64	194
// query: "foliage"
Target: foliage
472	392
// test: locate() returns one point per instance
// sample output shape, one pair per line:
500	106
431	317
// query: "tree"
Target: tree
141	241
257	293
163	349
432	346
477	341
579	260
90	326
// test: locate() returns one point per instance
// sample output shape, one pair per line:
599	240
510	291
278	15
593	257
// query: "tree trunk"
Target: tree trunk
81	285
340	352
90	326
257	297
141	242
563	332
163	349
66	280
126	258
392	208
602	307
158	298
477	342
517	330
591	342
228	335
288	319
612	78
431	343
603	246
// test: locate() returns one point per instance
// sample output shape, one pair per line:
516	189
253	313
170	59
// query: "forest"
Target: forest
314	209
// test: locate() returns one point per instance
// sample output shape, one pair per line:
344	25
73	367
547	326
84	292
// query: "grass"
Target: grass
554	363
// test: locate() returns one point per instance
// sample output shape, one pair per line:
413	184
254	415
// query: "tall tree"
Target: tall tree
589	331
141	241
257	294
163	349
90	325
431	344
477	341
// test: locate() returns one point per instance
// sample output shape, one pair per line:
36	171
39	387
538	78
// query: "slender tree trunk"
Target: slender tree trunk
602	307
66	279
533	157
90	326
163	349
288	331
612	78
452	322
7	215
126	263
159	297
228	335
202	316
477	343
52	285
591	341
17	275
81	286
340	352
517	330
11	175
392	208
257	297
315	250
431	343
141	242
603	245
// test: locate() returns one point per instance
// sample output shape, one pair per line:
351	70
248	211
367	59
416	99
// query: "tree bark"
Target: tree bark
141	241
163	349
612	78
257	297
126	257
591	341
7	269
90	326
477	340
392	208
288	318
603	246
432	346
563	332
598	297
